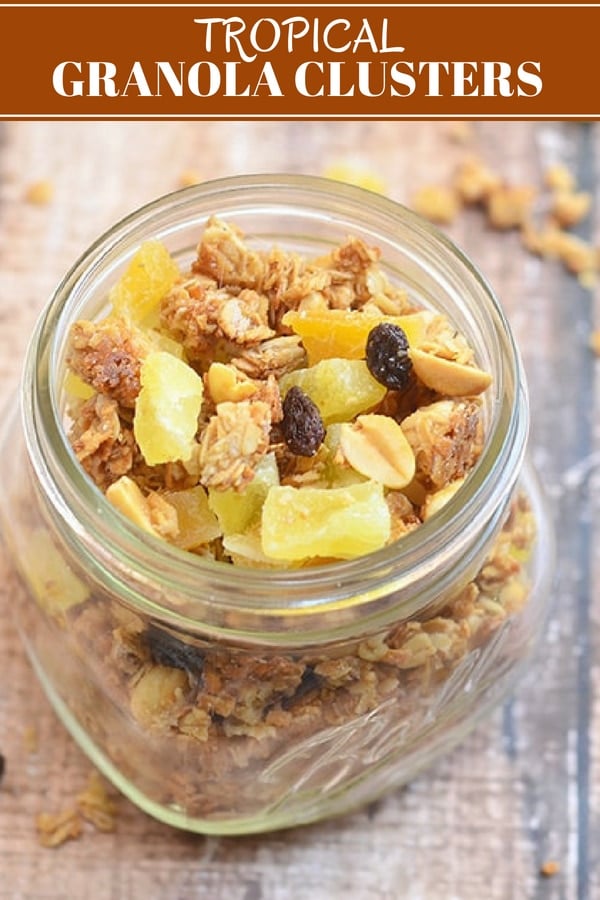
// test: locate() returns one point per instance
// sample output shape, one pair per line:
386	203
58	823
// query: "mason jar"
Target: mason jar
230	700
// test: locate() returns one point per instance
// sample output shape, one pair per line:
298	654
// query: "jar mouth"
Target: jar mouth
157	575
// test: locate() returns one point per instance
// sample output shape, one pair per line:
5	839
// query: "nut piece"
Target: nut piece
152	513
226	383
128	498
375	446
159	696
447	377
434	502
40	192
437	203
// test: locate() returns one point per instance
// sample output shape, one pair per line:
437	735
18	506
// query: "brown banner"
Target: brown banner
281	61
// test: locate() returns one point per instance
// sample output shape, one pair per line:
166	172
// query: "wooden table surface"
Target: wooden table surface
525	786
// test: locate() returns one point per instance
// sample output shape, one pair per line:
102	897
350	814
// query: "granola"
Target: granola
252	352
303	444
544	218
93	804
231	710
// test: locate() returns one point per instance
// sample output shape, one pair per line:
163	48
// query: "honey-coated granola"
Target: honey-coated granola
196	377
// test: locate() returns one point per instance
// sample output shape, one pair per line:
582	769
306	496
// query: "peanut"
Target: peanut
375	446
447	377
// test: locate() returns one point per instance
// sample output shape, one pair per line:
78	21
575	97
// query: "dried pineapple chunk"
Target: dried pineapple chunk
53	583
151	273
197	523
341	388
343	333
167	408
238	510
77	388
328	522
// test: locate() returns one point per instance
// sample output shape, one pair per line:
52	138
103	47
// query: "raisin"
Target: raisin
167	650
387	356
2	764
302	426
309	683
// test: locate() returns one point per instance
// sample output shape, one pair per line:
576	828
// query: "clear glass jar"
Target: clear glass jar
228	700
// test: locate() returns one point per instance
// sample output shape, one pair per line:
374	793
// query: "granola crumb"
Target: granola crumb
40	192
559	178
357	175
30	739
595	341
190	177
438	203
55	829
509	206
474	181
570	207
549	868
95	804
460	132
588	279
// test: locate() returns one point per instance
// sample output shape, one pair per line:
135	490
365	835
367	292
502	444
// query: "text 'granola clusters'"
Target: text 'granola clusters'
271	410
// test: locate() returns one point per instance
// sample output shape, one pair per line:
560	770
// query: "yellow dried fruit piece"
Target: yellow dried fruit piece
340	523
341	333
76	387
197	522
163	342
151	273
336	471
376	447
127	497
447	377
53	583
246	550
238	510
167	408
341	388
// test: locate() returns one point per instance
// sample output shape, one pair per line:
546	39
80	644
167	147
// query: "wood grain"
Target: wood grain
525	786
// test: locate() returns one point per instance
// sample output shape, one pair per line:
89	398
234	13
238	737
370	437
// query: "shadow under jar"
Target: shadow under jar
230	700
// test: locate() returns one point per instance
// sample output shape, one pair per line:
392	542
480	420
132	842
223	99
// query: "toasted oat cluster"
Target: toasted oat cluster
271	410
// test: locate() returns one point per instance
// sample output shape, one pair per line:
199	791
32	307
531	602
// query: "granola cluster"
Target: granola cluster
260	390
93	804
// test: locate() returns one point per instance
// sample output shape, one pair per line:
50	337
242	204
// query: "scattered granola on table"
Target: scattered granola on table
40	193
543	215
550	868
55	829
31	739
316	374
266	410
93	804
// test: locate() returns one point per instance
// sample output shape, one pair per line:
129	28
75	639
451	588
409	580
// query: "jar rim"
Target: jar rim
154	574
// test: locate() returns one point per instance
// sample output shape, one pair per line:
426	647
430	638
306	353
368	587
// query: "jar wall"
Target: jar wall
223	738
